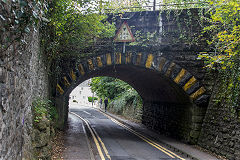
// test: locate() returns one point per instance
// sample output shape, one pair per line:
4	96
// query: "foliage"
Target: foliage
123	98
120	6
17	19
92	98
224	33
43	109
182	4
74	28
128	98
108	87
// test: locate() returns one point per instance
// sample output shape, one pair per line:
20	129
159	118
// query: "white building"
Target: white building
79	96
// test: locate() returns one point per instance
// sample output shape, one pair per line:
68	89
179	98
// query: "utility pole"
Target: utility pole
154	5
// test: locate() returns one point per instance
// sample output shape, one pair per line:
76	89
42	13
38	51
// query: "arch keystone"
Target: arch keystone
99	62
81	69
149	61
198	93
180	75
59	89
190	83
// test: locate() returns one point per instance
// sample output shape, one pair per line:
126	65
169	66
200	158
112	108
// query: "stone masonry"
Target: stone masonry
221	127
21	80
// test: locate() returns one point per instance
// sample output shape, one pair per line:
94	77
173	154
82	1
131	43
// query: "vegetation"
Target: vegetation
90	99
43	109
123	98
224	40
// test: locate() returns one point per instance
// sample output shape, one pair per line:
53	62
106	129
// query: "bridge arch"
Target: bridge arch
174	99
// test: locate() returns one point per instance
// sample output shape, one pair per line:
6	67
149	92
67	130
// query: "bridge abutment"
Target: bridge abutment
182	121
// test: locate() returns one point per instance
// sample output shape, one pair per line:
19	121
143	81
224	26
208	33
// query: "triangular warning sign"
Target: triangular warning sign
124	34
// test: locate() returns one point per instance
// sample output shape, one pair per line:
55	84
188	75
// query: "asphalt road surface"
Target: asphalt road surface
110	139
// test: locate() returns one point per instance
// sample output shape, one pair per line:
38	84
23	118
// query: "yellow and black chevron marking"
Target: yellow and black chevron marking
59	89
90	64
161	64
66	82
73	75
109	59
149	61
169	70
99	62
128	58
81	69
118	58
181	76
139	58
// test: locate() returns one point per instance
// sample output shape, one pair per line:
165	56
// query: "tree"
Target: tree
108	87
74	28
224	32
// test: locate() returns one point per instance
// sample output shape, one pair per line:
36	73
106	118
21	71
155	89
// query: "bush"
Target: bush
90	99
43	108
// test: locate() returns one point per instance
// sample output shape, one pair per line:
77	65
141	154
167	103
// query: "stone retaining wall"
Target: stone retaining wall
21	80
221	127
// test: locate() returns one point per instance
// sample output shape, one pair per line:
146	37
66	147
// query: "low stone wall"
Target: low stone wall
22	78
42	135
221	127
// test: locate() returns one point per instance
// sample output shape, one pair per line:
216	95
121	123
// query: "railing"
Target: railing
160	6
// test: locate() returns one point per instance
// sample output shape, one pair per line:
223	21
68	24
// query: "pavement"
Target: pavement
75	141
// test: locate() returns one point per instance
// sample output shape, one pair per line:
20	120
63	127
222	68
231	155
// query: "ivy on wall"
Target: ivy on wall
224	40
17	19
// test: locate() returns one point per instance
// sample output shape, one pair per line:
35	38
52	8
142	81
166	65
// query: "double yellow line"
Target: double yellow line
96	139
149	141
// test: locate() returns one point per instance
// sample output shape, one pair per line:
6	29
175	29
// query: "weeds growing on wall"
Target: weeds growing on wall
224	40
43	109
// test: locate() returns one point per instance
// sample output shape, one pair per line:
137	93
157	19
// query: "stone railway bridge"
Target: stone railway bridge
172	82
161	65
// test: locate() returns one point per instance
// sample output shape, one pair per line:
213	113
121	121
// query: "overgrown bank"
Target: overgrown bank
123	99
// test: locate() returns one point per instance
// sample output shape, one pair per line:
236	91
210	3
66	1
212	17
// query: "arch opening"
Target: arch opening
167	93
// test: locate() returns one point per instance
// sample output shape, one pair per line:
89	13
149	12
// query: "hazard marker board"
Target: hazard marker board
124	34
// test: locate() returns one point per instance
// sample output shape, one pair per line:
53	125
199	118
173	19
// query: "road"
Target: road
109	139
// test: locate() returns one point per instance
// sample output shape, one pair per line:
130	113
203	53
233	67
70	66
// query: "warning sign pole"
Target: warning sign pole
124	47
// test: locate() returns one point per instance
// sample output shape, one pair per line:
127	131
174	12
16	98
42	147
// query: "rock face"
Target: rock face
221	127
22	78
